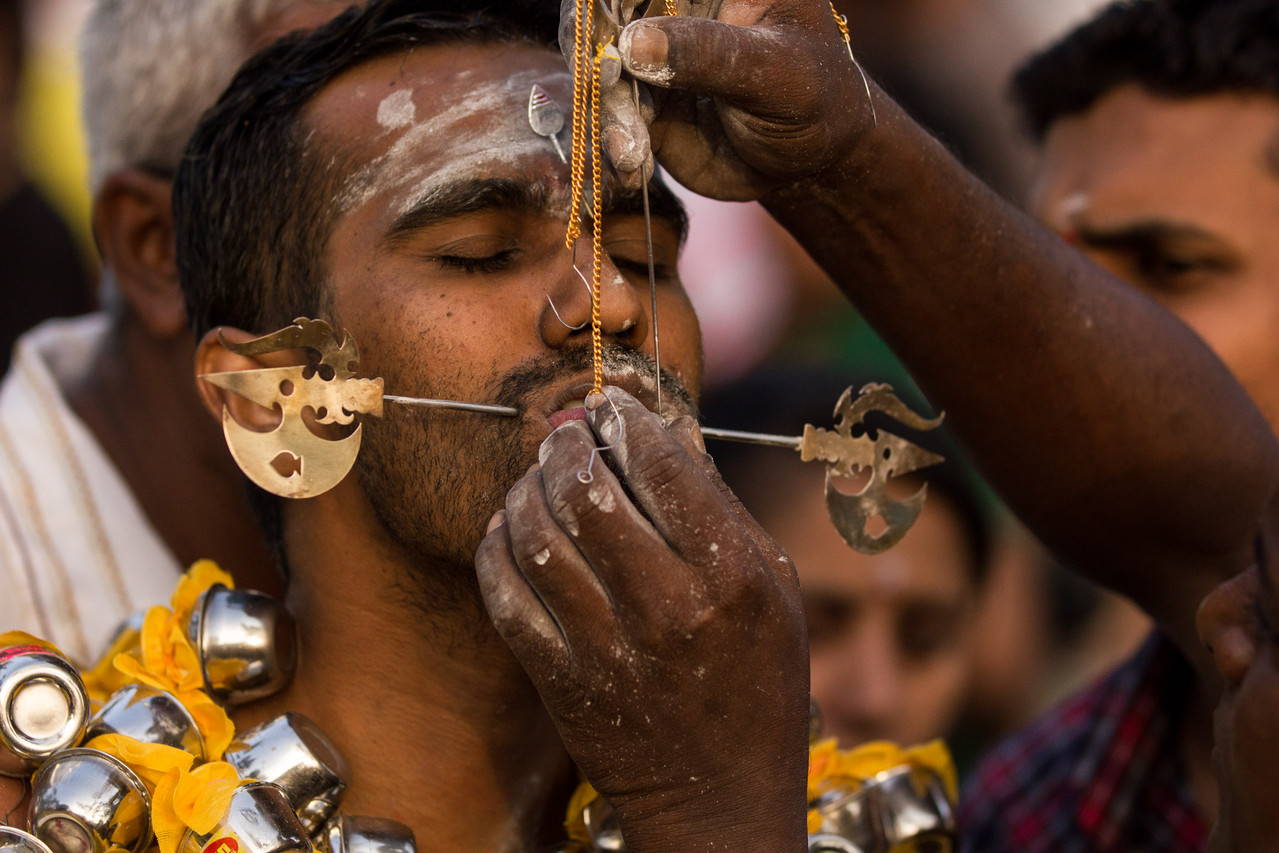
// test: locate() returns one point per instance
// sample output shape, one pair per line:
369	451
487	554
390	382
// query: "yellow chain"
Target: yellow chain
585	22
586	96
597	213
840	21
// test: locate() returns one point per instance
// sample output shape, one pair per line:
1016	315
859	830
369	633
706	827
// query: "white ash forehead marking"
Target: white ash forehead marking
397	110
502	141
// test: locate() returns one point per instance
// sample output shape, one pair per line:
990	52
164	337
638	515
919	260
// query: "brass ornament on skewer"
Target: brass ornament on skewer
885	455
291	460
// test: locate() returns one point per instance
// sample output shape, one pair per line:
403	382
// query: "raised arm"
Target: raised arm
1107	425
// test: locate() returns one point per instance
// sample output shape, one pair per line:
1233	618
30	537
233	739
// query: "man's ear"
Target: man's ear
133	226
211	356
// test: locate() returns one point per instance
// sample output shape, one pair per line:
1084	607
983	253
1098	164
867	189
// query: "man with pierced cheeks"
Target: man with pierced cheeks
487	604
391	157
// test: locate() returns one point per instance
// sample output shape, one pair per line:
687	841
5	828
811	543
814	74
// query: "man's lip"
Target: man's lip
556	413
563	416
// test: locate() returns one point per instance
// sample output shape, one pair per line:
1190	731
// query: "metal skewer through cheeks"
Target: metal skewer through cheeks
293	461
455	405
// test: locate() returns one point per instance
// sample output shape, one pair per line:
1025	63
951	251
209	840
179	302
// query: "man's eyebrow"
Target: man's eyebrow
452	200
473	195
662	203
1144	231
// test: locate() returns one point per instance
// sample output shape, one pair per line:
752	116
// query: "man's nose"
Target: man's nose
567	314
871	687
1226	623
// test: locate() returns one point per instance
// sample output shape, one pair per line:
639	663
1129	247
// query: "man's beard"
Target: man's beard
434	479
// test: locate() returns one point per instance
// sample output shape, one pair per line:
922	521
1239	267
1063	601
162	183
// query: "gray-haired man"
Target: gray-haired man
111	476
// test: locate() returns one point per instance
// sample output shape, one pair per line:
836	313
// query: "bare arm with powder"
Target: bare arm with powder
1111	429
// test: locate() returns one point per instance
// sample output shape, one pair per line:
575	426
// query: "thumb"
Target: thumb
737	63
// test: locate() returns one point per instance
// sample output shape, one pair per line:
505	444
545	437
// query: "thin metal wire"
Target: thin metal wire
841	21
759	438
587	476
26	788
457	405
652	271
556	311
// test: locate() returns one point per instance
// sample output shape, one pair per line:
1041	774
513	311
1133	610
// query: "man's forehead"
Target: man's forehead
1133	128
402	118
446	82
1134	150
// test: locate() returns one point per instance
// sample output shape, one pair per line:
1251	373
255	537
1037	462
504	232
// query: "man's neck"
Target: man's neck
439	724
138	399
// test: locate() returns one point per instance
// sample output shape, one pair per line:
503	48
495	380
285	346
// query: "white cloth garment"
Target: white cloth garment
77	554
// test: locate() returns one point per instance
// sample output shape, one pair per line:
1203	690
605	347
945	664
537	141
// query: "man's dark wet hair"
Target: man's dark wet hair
1173	48
252	207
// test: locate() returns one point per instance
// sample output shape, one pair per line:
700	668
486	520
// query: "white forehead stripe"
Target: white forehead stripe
504	139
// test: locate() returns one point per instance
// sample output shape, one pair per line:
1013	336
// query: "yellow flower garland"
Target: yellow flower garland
183	796
188	797
829	768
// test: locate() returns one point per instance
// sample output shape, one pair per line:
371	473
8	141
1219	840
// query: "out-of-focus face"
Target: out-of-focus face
1239	622
447	264
889	635
1181	199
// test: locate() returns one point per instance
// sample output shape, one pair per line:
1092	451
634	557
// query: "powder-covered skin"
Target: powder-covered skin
397	110
475	144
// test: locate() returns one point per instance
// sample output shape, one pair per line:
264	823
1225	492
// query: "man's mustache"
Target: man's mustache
532	377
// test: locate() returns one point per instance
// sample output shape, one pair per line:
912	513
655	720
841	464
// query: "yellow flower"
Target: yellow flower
169	662
575	822
196	800
830	767
150	761
182	797
104	679
202	575
215	726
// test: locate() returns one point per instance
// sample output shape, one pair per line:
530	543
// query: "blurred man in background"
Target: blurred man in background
111	475
1159	124
41	272
891	636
